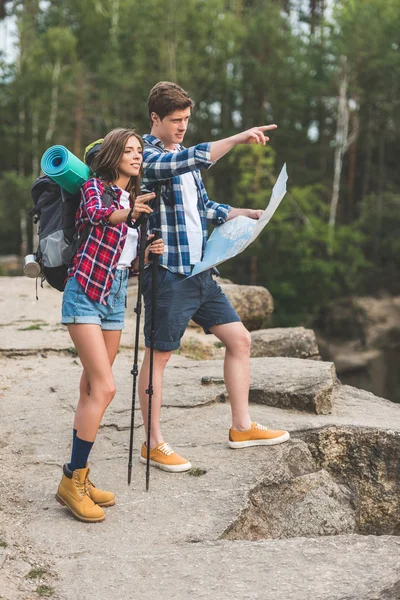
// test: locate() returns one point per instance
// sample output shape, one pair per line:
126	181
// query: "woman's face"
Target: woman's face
132	158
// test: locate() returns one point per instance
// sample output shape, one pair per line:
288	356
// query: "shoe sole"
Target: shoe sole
266	442
79	517
105	504
168	468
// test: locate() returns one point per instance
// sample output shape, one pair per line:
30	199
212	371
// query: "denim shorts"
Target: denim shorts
77	307
180	299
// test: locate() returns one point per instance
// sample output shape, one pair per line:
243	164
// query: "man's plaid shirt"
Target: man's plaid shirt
164	167
95	263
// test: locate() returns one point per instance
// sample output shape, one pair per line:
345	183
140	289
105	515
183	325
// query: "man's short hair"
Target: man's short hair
167	97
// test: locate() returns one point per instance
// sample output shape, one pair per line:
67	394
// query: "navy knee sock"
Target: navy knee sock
80	452
74	433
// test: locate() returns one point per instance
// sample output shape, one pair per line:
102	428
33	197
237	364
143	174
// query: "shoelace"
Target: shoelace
88	484
258	426
80	486
166	449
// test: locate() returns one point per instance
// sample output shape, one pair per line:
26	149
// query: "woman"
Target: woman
93	305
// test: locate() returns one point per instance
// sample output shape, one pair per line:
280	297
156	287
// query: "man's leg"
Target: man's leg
175	297
160	360
161	453
216	315
237	341
244	432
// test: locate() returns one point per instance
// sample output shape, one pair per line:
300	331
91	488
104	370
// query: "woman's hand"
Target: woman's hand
156	247
140	205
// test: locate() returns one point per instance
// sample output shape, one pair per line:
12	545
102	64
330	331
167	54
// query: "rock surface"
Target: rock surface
291	342
168	544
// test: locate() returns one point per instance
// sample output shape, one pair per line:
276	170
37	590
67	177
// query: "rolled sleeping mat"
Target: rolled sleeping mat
64	168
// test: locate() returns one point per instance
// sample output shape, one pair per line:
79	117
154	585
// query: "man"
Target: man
182	214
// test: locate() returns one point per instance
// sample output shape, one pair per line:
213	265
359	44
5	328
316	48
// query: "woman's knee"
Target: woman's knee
110	392
84	385
102	392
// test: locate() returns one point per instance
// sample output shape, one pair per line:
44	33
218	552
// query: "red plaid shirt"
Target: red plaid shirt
95	263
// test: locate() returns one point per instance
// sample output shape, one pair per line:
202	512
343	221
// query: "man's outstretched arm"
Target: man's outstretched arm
255	135
159	166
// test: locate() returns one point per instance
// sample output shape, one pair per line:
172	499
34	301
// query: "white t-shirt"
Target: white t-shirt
194	229
129	251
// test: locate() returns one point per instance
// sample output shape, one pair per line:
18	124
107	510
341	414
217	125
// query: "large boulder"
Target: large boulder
336	481
373	322
362	337
367	462
253	303
293	383
292	342
280	382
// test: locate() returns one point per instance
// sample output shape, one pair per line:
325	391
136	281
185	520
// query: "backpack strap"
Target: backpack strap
108	197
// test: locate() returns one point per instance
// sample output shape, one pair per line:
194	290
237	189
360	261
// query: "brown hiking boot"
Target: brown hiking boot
99	497
72	493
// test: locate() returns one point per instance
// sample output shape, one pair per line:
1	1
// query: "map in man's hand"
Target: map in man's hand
234	236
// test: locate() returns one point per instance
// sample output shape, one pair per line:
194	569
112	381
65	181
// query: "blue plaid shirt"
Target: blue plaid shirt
164	167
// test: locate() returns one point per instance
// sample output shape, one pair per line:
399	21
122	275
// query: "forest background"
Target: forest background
327	72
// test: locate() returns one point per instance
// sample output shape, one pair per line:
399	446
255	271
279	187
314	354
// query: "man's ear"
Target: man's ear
155	119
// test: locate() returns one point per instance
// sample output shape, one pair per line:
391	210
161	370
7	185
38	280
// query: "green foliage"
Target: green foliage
14	197
83	68
380	224
36	573
197	471
292	258
45	590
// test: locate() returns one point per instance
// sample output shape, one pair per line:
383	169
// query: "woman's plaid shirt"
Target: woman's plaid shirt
95	263
165	167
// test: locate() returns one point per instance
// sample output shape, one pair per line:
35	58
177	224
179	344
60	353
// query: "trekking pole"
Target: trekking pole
149	391
138	311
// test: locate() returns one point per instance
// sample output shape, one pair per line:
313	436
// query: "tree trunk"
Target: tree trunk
352	169
368	158
34	239
341	140
253	270
379	199
54	101
79	111
171	44
114	23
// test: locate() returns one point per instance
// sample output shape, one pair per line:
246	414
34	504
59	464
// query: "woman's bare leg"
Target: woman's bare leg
97	350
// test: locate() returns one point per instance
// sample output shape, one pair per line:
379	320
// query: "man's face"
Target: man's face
172	128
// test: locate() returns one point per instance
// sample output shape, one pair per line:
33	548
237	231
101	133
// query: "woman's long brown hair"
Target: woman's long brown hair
106	162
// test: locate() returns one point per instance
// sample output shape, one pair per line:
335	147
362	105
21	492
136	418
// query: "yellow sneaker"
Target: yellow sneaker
72	493
99	497
163	457
257	435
